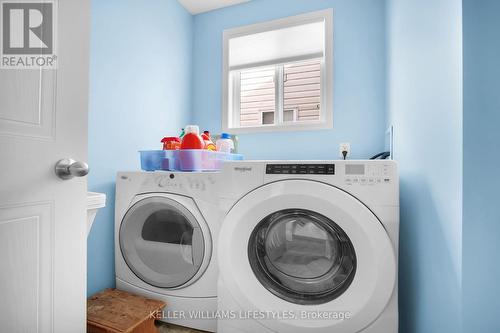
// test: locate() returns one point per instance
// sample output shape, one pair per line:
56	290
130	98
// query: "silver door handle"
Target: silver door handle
68	168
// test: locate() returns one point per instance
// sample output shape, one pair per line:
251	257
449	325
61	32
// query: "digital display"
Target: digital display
310	169
354	169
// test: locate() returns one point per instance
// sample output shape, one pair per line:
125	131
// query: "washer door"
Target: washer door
162	242
306	247
301	256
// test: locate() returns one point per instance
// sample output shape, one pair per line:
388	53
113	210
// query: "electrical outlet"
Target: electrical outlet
346	146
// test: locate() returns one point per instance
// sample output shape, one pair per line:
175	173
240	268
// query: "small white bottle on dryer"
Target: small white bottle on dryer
225	144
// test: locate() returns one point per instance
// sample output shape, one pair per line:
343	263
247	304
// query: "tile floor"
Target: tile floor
169	328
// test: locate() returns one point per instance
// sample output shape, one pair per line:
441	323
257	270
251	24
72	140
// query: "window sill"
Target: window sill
280	128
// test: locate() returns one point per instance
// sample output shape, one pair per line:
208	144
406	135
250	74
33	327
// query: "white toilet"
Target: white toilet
94	202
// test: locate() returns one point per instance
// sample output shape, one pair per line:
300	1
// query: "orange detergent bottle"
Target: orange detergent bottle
192	138
171	143
209	145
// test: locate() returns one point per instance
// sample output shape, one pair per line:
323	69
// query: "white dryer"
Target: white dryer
165	224
309	246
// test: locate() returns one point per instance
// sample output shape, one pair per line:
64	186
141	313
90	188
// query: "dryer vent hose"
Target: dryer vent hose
383	156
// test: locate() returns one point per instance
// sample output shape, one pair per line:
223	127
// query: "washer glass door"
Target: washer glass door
161	242
302	256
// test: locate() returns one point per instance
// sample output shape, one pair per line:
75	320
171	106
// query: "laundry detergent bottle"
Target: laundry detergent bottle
171	143
209	145
225	144
192	138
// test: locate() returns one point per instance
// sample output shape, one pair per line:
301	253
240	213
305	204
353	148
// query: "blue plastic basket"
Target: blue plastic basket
152	160
185	160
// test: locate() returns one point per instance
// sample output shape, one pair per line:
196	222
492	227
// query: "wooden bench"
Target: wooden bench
116	311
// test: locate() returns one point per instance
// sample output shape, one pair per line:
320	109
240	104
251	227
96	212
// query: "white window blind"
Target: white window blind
284	45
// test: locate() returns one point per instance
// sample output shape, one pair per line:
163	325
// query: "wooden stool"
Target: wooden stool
116	311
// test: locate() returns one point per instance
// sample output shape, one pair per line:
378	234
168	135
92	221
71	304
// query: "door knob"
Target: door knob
68	168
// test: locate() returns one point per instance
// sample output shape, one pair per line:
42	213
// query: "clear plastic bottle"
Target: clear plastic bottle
225	144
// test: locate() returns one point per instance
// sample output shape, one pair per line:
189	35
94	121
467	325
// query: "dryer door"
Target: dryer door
307	248
162	242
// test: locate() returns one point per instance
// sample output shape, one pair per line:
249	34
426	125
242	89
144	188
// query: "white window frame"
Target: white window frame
230	118
295	112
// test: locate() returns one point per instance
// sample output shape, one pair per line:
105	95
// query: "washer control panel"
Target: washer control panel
310	169
366	174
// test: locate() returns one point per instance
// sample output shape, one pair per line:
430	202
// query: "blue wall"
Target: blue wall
359	78
481	224
425	106
140	91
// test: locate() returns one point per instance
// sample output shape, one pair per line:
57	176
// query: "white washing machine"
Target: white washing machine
309	246
165	225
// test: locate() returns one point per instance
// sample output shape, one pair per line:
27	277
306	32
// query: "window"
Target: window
259	93
278	75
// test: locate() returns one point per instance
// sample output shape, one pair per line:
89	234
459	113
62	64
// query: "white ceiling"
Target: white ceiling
201	6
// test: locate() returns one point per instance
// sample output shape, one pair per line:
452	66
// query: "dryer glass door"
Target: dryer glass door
161	242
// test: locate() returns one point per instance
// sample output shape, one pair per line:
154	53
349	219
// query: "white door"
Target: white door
43	118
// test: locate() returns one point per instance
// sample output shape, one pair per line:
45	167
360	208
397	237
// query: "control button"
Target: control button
355	180
386	180
371	180
348	180
163	182
312	169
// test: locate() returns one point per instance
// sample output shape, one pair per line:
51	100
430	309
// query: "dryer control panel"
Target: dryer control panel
186	182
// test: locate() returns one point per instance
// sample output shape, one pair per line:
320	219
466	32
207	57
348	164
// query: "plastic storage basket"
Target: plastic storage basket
185	160
152	160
